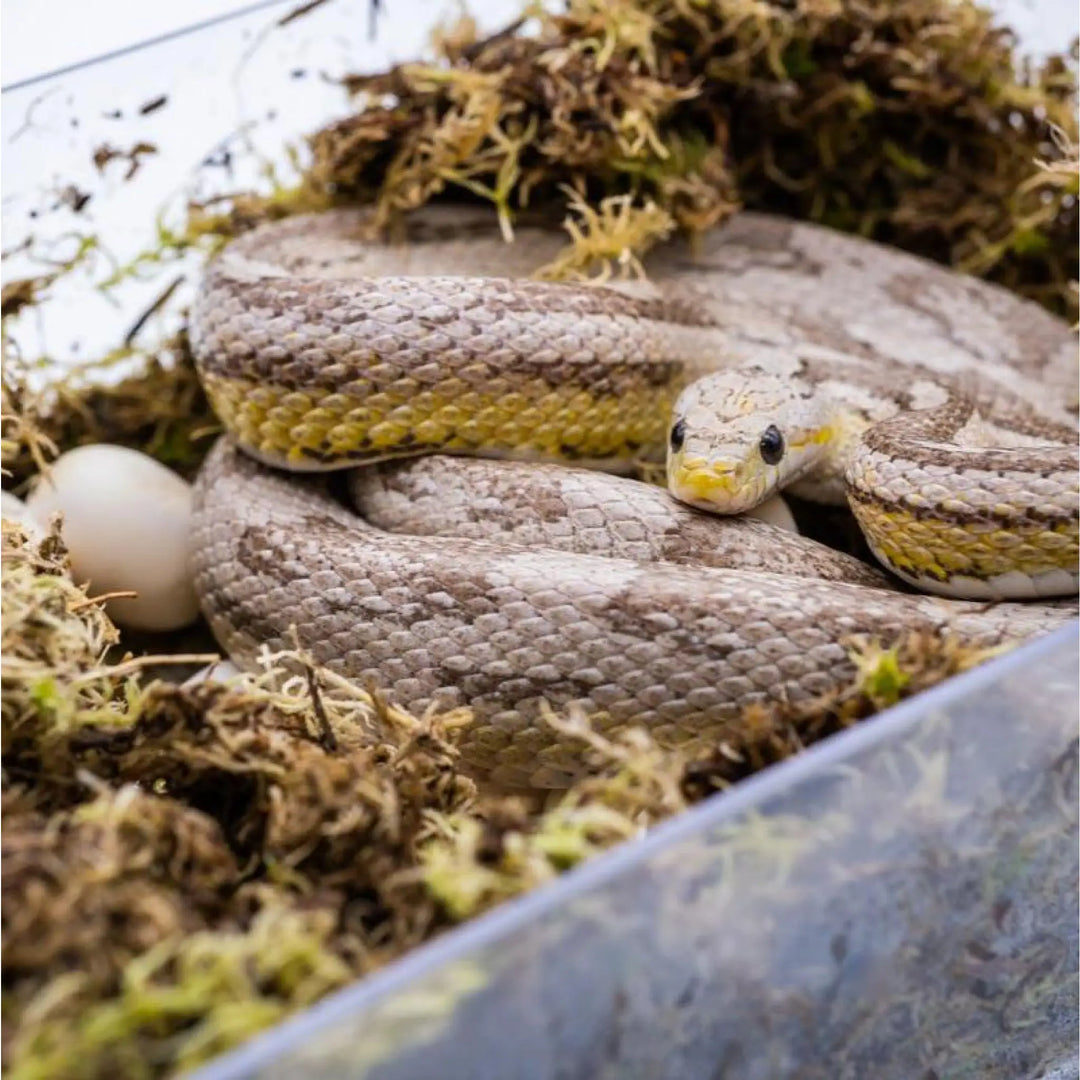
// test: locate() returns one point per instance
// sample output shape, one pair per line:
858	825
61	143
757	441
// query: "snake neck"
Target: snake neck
845	415
868	406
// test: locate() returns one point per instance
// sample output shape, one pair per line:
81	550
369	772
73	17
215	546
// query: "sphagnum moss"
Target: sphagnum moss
185	865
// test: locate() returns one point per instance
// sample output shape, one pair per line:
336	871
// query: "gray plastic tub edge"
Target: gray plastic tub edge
897	901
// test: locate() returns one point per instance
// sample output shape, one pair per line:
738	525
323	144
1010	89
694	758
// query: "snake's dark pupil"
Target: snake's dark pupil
678	434
771	445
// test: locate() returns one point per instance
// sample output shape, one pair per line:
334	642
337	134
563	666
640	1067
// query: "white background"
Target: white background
39	36
43	35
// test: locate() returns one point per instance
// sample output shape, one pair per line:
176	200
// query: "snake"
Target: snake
423	480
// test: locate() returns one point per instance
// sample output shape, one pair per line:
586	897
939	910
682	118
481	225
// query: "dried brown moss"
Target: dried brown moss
912	122
151	829
161	410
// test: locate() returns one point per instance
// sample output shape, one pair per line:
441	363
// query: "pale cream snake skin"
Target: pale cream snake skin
319	348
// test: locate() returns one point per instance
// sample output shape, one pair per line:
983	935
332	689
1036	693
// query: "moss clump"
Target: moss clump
213	988
160	409
911	122
185	864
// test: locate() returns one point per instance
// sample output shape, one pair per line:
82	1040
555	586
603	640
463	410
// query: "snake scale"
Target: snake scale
511	584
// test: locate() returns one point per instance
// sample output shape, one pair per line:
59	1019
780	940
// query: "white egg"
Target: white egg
126	525
220	672
776	512
12	508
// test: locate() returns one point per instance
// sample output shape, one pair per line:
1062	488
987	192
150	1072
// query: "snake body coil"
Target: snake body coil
319	350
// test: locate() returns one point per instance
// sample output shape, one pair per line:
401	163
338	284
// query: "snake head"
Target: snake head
739	436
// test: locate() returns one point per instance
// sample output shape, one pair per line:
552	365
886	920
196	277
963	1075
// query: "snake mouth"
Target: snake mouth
723	488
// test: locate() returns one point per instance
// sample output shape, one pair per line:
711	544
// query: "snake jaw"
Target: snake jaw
721	487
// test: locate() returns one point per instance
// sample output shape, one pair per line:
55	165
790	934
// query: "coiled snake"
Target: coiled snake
514	584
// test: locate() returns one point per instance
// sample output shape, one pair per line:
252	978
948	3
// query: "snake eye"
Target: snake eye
678	434
771	445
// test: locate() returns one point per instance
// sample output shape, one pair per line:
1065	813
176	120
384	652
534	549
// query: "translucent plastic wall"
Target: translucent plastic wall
897	903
